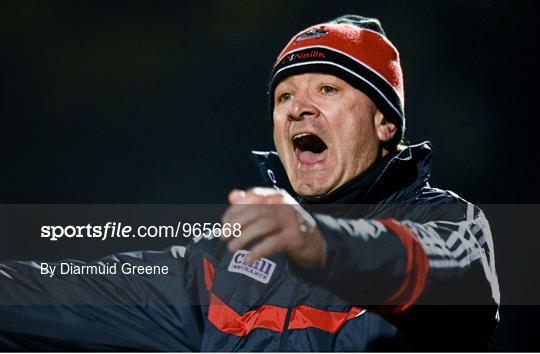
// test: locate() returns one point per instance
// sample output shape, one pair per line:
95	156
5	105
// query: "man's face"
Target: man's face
324	131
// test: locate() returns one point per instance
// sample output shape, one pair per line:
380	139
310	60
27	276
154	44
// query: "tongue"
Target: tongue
310	157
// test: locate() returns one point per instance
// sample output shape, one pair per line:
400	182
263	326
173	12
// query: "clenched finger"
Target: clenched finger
263	227
241	213
255	195
266	248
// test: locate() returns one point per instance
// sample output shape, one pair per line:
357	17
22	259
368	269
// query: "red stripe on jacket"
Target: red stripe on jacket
271	317
416	268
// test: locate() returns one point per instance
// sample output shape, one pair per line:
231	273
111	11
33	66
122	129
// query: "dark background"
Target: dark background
161	102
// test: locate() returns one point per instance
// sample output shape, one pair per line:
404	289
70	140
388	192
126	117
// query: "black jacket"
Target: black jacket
408	267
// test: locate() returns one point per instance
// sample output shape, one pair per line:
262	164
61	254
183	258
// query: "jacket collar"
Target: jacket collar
405	172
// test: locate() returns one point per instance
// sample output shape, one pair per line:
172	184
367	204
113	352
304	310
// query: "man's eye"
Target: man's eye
284	97
328	89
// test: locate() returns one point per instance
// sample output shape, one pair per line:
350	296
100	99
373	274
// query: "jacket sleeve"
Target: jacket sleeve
426	256
102	311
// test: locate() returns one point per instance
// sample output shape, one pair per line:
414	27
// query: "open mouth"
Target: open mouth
309	148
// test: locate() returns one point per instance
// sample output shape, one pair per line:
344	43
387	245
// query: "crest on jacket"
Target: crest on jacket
260	270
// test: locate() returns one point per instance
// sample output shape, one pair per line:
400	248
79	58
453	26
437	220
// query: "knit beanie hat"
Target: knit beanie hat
355	49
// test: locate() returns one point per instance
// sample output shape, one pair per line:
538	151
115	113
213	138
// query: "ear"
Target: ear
385	129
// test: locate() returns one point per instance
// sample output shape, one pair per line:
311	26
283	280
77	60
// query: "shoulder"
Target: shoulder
432	195
444	204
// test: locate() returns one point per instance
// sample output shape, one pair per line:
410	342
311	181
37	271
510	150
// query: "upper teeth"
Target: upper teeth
297	136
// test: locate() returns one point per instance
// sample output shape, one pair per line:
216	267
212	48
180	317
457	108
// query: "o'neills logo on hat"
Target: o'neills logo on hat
260	270
312	54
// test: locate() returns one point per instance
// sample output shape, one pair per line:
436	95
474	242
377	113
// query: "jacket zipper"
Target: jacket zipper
285	334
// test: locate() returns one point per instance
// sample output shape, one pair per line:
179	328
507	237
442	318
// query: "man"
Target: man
359	254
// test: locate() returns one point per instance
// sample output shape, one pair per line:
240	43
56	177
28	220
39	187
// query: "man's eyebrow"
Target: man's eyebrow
286	87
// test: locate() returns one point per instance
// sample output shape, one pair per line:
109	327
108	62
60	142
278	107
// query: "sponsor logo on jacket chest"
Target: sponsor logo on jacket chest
260	270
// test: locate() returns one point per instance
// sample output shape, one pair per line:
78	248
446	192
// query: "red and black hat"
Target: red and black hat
355	49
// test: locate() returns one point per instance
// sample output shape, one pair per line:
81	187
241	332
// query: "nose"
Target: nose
301	107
